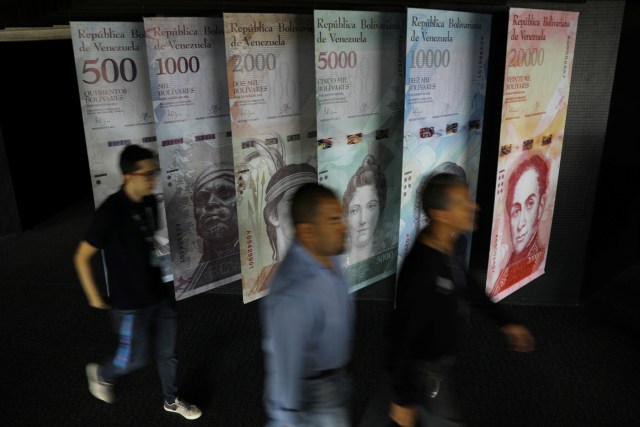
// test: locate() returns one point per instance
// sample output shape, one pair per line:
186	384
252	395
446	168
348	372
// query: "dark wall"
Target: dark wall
9	218
42	131
615	231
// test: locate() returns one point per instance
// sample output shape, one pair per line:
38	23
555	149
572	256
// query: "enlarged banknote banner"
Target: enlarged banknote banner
269	59
187	73
537	78
113	81
446	72
359	98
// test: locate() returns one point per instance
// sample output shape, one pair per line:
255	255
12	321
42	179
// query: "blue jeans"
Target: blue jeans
324	402
138	330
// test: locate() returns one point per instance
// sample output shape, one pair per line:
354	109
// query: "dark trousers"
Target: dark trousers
140	332
436	394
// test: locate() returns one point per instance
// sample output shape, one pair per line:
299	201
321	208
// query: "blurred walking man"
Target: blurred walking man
142	307
308	319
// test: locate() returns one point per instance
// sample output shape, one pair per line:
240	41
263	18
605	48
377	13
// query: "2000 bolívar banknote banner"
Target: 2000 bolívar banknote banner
446	73
186	62
359	97
113	81
537	79
271	89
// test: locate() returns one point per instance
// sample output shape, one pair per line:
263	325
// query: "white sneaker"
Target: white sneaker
190	412
99	389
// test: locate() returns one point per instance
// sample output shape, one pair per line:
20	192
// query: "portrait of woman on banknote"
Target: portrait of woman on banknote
364	201
280	189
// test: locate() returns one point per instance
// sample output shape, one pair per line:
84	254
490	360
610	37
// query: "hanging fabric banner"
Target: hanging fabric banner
537	79
446	74
113	81
359	101
269	60
187	73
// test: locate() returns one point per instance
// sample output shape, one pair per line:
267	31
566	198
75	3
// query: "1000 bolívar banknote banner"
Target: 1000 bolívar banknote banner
187	72
111	67
359	98
271	90
537	79
446	72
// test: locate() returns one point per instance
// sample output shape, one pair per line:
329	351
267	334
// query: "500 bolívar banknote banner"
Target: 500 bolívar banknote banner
111	66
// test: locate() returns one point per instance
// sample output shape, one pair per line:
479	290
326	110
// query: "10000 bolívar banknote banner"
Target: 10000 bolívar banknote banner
187	71
271	96
446	71
116	108
359	99
534	108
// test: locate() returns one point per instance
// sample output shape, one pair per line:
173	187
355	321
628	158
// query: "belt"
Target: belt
324	374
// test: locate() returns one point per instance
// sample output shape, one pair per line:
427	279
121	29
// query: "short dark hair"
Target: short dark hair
444	167
305	201
131	155
436	193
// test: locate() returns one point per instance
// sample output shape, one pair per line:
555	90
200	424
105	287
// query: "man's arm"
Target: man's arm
82	263
518	336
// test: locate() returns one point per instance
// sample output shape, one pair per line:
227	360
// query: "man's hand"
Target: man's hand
404	416
98	302
519	337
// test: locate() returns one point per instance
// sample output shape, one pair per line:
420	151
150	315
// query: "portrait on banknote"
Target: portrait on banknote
359	99
535	100
525	201
277	216
364	201
189	94
445	83
200	196
269	59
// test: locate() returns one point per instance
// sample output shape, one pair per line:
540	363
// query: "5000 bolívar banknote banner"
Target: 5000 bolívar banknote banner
534	109
187	72
359	97
111	67
446	73
271	89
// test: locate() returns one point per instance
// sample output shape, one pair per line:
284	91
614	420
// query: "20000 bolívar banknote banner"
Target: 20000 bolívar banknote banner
446	73
359	98
113	81
271	96
187	72
537	78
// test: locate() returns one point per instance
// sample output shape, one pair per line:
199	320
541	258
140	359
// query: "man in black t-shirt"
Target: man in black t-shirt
434	294
143	309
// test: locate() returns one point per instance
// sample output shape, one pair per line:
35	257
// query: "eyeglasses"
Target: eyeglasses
149	174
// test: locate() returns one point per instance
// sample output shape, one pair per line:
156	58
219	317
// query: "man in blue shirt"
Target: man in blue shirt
308	319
